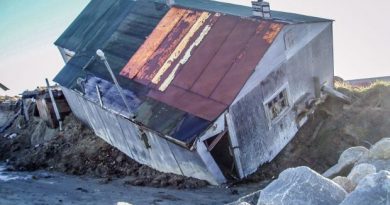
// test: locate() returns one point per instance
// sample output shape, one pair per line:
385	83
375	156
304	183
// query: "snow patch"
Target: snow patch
6	176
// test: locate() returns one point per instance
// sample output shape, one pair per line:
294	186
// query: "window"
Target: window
277	105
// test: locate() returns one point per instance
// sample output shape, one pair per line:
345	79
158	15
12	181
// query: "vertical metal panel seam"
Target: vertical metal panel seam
231	66
124	136
185	58
227	36
235	145
174	156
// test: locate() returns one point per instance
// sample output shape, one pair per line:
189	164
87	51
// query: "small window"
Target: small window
277	105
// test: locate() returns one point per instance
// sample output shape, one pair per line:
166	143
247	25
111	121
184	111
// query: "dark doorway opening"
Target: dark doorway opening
220	149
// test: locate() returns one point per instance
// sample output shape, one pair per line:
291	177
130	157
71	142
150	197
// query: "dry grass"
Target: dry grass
361	89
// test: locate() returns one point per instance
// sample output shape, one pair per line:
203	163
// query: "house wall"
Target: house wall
300	53
162	154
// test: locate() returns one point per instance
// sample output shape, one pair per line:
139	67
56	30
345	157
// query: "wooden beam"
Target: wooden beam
215	141
3	87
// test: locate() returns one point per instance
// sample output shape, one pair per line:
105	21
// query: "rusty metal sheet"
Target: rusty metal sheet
245	64
205	52
153	41
197	39
161	55
181	46
204	58
225	57
190	102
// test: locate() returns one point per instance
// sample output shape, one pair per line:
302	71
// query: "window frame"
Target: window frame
272	122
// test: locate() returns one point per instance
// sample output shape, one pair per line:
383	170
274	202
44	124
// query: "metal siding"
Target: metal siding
133	140
191	164
75	105
258	142
96	122
113	129
212	166
163	155
124	135
91	116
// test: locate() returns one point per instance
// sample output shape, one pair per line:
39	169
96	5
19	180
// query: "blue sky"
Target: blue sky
29	28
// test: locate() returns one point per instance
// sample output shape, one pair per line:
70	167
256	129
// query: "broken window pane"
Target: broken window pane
277	105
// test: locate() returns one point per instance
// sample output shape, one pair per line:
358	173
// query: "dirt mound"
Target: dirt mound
333	128
78	151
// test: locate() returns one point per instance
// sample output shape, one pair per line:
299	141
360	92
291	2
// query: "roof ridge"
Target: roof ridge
245	11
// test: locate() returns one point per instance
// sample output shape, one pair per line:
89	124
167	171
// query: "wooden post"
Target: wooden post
336	94
317	87
54	104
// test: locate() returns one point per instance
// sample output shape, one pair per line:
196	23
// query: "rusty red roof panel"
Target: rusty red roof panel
139	59
201	60
190	102
191	71
227	54
181	55
167	47
246	62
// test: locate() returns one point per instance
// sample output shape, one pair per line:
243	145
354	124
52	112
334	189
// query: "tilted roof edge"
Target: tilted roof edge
245	11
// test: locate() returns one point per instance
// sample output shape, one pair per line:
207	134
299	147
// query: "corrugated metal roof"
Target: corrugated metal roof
205	58
130	33
186	65
95	25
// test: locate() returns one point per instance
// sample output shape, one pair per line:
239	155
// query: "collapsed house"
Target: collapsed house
212	90
44	107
